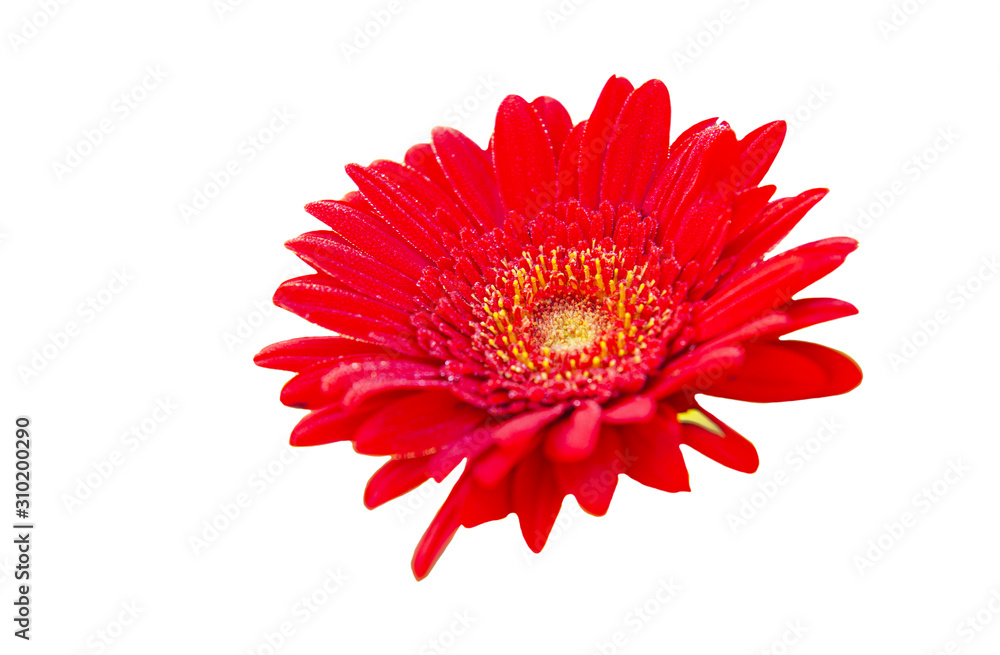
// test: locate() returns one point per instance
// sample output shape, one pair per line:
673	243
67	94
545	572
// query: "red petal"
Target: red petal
556	120
354	269
797	315
487	503
518	431
805	312
658	462
416	424
421	159
569	160
747	206
366	234
536	499
777	371
332	423
770	285
757	152
682	177
594	142
574	437
470	172
701	205
638	145
395	478
369	388
343	377
632	410
400	211
305	390
773	225
732	450
441	531
696	371
685	138
514	439
593	481
430	199
523	158
297	354
315	299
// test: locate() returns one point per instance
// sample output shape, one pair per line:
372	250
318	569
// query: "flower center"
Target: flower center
571	323
563	326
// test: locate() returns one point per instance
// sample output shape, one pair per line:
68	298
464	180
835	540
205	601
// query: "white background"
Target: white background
862	101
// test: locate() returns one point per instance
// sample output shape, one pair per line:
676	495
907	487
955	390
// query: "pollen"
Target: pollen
566	325
571	323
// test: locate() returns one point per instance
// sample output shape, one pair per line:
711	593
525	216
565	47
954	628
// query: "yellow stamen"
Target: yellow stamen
697	417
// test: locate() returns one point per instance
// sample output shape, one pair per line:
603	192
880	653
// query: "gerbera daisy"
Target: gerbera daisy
547	309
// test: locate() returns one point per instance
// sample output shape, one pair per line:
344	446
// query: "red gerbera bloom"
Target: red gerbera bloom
547	309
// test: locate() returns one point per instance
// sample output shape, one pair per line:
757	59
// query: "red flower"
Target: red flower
547	309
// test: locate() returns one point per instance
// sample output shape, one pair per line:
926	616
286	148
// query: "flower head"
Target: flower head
547	309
